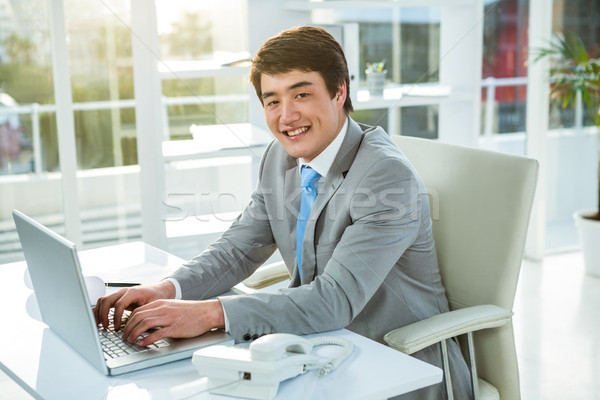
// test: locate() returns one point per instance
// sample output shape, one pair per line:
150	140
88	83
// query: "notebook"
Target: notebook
64	305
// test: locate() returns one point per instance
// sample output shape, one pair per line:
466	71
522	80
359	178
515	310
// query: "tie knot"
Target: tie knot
309	176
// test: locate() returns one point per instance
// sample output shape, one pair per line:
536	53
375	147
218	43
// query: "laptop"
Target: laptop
64	305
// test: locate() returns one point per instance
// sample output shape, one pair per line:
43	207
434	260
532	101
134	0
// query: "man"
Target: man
367	260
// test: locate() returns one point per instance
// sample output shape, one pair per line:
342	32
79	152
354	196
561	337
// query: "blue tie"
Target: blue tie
309	193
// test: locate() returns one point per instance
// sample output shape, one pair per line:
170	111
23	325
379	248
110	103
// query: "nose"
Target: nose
289	112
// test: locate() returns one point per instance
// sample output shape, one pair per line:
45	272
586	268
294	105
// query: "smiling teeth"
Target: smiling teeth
297	131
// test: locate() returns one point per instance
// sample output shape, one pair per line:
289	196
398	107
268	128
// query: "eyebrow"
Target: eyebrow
294	86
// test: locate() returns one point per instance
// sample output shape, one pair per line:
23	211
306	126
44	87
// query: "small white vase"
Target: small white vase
376	82
589	235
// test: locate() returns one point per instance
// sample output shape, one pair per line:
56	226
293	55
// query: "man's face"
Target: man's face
301	113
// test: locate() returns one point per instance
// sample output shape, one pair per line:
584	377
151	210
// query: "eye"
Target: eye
272	103
301	95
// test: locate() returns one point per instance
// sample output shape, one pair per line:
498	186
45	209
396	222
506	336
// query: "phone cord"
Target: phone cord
327	367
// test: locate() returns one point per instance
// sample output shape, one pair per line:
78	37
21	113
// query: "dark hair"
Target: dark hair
304	48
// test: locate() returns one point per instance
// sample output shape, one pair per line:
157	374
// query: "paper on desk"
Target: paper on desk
95	288
94	284
144	274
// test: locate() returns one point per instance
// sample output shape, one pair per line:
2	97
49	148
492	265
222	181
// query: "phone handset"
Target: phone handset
276	346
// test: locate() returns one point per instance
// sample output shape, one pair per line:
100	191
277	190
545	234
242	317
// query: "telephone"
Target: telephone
255	372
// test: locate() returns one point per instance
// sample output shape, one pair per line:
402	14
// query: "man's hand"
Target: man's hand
130	299
176	319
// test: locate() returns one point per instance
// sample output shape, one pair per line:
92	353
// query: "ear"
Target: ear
340	96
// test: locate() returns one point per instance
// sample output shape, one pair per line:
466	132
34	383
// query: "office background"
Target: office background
102	160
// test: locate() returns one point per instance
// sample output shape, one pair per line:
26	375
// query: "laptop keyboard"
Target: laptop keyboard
114	347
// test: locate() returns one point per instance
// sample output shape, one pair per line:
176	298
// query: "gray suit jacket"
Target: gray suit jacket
369	261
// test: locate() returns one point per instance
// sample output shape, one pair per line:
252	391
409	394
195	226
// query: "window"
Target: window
196	40
407	39
27	118
581	17
572	141
504	85
28	137
192	40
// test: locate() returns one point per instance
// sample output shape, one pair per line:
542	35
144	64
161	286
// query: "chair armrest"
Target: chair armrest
267	275
416	336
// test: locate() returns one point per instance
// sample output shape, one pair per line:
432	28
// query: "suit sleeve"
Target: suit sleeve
385	210
244	246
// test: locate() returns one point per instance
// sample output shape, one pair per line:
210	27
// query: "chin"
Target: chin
295	153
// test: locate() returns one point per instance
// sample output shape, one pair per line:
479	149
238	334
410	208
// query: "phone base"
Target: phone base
256	372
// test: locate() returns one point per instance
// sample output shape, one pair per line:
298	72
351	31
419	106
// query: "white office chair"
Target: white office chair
480	206
480	203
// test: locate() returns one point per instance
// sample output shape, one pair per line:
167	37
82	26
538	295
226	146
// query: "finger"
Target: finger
143	325
97	310
132	299
102	308
153	337
129	326
135	318
121	305
112	300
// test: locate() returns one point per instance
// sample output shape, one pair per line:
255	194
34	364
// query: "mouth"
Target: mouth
296	132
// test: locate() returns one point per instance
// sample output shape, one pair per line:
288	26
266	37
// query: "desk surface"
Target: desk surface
46	367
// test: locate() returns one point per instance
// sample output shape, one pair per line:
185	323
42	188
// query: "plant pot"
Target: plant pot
376	82
589	236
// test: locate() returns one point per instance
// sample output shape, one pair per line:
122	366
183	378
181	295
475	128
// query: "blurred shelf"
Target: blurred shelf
195	69
210	141
409	96
317	5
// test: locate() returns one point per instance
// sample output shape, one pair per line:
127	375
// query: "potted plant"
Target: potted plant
575	73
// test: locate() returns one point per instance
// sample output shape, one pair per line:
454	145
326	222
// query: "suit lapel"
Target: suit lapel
342	163
291	204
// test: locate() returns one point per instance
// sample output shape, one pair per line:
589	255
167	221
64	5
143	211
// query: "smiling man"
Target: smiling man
341	203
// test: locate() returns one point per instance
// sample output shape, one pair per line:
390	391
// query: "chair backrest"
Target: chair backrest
480	206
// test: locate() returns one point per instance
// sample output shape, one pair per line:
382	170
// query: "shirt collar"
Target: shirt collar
323	162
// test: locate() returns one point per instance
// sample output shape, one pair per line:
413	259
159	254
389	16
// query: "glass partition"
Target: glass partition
210	151
573	138
100	64
29	177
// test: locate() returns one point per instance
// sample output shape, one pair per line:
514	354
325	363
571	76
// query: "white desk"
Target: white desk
50	369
